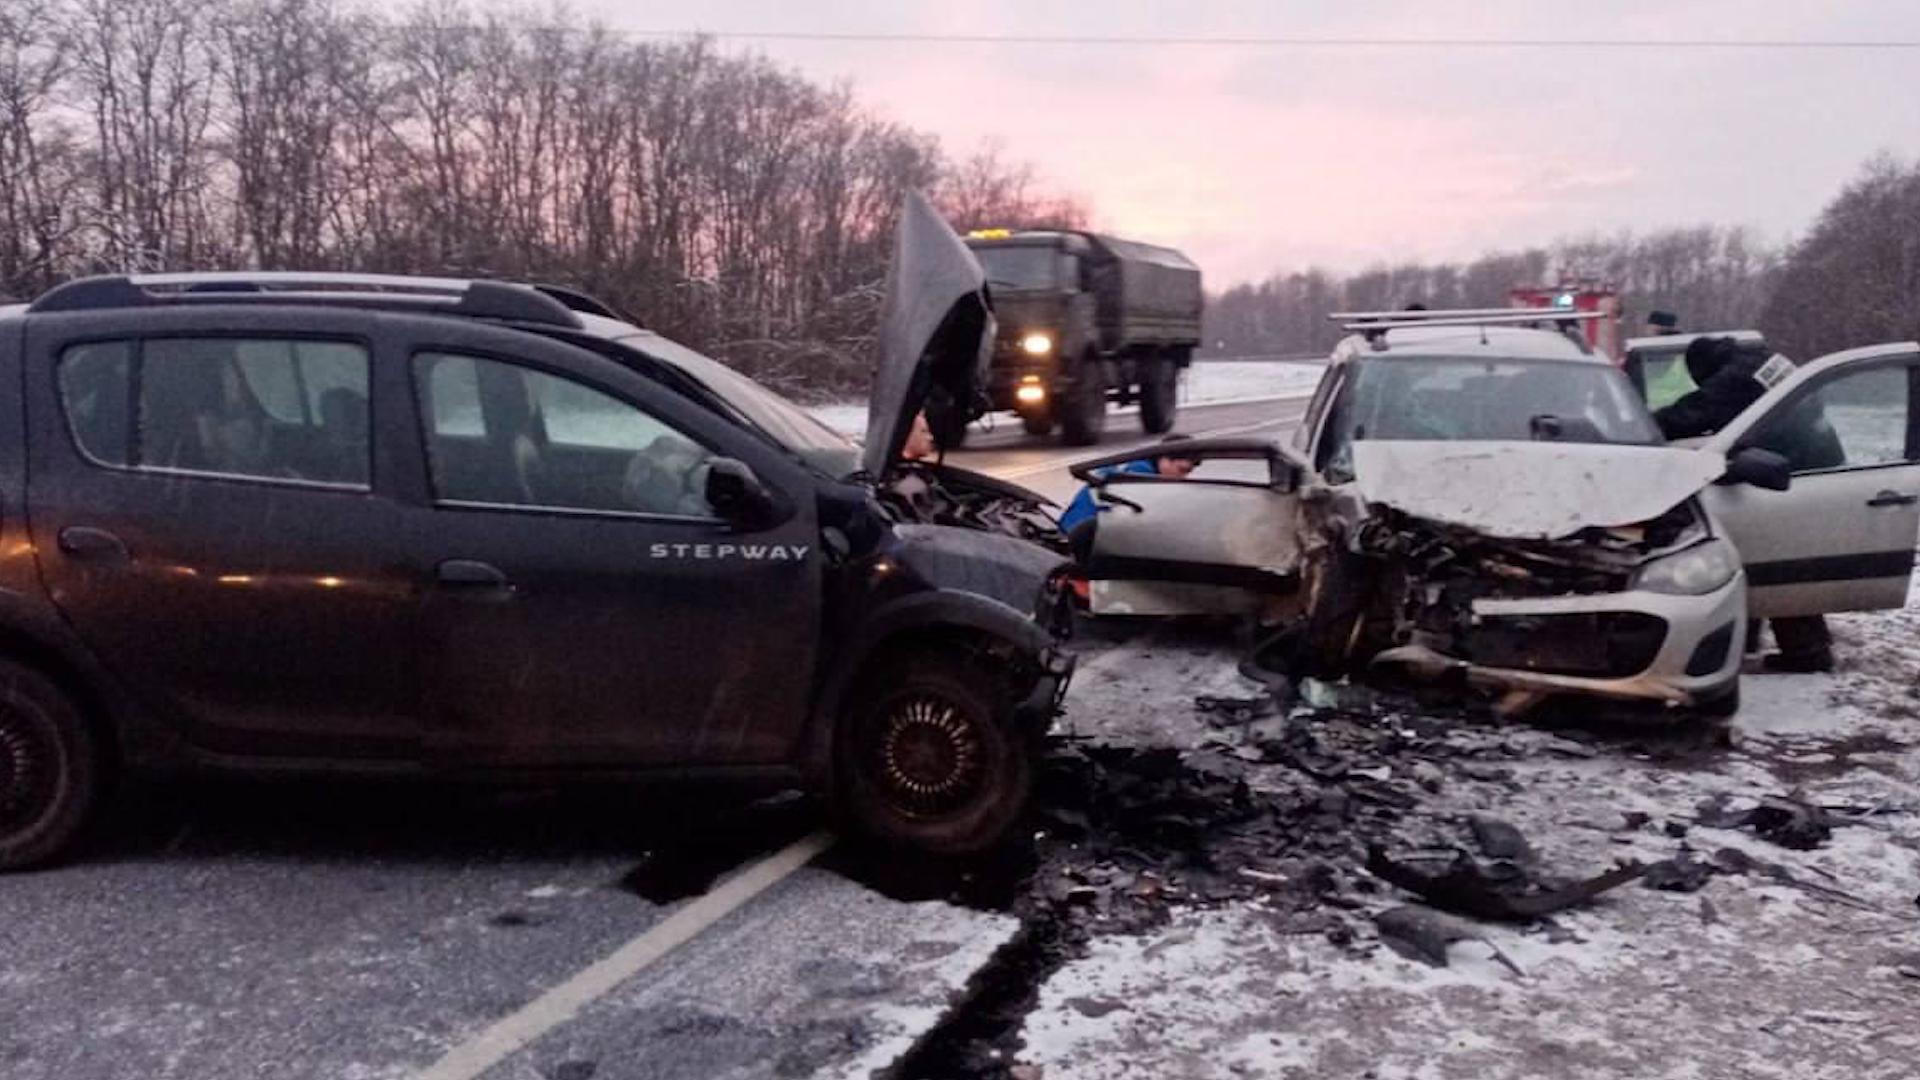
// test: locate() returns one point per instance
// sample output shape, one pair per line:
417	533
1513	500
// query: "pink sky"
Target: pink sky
1256	159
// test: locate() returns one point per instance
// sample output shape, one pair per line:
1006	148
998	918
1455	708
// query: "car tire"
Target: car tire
1037	421
1085	416
49	769
929	759
1159	390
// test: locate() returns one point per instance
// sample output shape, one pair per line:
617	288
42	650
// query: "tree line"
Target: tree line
725	200
1853	279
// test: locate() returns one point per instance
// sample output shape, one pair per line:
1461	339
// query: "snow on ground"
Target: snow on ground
1204	383
1749	977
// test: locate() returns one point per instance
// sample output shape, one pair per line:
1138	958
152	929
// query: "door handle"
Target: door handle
472	574
1893	498
87	542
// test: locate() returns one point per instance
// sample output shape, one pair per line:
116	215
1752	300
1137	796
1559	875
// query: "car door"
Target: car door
1842	537
208	511
585	606
1225	540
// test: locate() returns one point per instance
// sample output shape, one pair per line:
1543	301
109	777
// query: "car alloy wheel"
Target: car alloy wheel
930	759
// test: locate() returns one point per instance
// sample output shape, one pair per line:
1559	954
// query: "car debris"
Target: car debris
1501	891
1787	821
1684	872
1423	934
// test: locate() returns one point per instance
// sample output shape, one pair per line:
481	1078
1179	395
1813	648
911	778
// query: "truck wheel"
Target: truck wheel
1084	415
49	768
1038	421
1159	393
928	759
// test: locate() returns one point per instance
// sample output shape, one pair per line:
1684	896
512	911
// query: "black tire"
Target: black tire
1159	394
1037	421
928	759
49	769
1083	416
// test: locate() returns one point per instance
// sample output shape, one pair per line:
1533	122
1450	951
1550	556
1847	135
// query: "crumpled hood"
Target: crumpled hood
1530	491
936	330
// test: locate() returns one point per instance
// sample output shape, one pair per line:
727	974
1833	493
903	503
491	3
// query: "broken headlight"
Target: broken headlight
1696	571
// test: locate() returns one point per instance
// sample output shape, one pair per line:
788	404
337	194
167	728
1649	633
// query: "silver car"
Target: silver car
1493	504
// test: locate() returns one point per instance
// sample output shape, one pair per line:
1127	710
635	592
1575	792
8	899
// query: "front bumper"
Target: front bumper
1696	661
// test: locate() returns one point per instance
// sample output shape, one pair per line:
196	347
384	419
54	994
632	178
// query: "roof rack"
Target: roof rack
1422	314
1376	323
459	296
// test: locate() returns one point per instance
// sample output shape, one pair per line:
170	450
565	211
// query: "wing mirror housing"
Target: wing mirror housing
738	497
1759	468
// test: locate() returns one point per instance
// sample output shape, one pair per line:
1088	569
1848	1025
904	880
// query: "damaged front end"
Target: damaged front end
1649	612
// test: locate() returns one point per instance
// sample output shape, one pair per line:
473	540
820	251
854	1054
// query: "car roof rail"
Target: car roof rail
1506	317
586	303
477	298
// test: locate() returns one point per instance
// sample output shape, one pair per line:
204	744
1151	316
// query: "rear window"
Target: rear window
269	409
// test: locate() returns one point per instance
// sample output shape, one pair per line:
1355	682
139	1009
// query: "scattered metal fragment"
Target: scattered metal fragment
1682	873
1502	891
1423	934
1735	861
1790	822
1500	840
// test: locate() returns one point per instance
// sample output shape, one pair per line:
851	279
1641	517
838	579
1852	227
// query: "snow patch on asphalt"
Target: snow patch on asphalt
1812	979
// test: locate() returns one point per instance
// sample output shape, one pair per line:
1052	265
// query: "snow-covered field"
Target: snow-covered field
1203	383
1750	977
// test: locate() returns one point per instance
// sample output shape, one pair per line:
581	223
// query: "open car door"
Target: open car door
1225	540
1842	537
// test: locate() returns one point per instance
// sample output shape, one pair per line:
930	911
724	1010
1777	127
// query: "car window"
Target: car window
95	381
274	409
502	434
1855	420
1448	399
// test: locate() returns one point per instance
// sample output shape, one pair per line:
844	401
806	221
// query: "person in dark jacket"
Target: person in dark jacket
1726	376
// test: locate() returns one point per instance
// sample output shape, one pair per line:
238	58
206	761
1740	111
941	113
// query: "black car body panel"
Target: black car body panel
361	614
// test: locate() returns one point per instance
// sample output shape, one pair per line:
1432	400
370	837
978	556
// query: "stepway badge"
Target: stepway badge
747	552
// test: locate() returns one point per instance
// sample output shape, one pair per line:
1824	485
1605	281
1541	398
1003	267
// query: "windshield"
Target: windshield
788	424
1470	399
1020	267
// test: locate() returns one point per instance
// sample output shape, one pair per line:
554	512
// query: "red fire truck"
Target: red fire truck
1583	295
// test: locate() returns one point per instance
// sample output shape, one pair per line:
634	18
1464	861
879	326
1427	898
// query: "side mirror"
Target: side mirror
737	495
1760	468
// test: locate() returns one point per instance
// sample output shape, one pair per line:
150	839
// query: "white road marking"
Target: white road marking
563	1002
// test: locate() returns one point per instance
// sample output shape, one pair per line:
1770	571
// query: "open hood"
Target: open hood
1530	491
936	331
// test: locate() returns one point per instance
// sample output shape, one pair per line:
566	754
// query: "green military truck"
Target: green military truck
1084	320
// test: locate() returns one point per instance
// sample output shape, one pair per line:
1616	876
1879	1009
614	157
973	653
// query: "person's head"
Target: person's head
1172	464
1662	322
919	445
1707	355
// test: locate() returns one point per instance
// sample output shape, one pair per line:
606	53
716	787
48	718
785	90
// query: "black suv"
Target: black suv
340	523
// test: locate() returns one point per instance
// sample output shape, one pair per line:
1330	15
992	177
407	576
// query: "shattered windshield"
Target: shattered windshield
1020	267
1479	400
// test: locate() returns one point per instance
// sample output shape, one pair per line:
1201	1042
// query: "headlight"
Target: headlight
1037	344
1696	571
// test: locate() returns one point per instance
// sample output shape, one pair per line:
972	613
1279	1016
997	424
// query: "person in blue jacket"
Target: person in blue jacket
1084	510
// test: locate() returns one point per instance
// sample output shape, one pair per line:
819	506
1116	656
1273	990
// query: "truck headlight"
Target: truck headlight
1037	344
1696	571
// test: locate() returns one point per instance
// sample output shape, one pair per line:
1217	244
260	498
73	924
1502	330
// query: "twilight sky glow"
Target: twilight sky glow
1259	158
